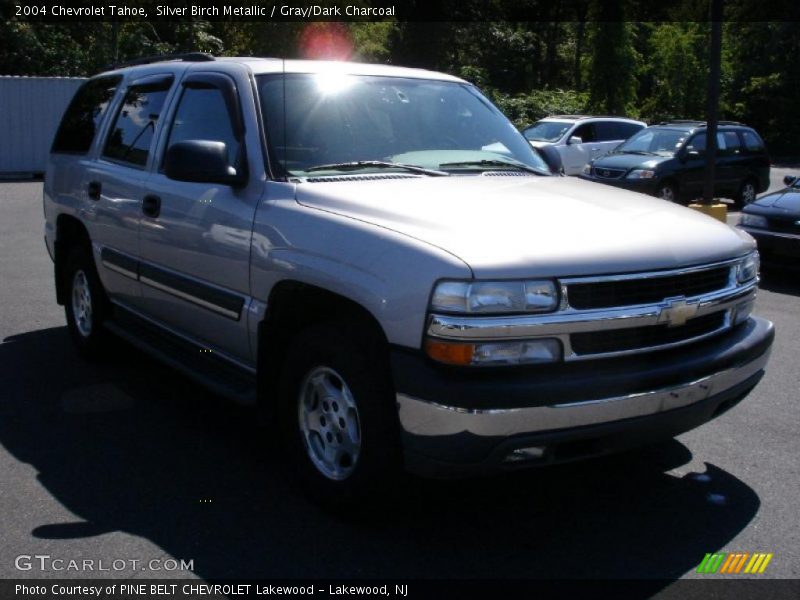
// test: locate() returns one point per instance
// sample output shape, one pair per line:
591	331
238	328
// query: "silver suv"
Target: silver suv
380	262
579	139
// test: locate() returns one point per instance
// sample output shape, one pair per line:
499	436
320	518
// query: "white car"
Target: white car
580	139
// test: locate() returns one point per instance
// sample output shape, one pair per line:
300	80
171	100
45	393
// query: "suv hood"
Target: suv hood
533	226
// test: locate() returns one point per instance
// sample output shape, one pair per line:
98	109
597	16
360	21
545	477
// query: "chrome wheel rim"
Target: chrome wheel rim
329	423
748	193
82	304
667	194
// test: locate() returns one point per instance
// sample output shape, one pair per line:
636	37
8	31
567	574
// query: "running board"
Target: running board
217	374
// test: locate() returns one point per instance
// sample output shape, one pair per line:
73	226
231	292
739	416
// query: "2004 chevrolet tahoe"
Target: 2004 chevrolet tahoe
380	261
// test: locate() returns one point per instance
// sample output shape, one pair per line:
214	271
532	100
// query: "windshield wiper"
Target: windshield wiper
376	164
642	152
494	163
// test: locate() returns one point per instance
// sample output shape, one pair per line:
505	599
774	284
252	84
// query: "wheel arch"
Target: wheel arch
70	232
293	306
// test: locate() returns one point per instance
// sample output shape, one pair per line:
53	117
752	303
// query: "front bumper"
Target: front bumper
462	422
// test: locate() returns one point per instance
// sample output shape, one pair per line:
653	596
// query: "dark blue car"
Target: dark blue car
668	161
774	221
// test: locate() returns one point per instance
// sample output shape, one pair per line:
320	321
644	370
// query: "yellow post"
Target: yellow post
719	210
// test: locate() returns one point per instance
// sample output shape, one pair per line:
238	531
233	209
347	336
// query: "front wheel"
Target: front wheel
667	191
338	414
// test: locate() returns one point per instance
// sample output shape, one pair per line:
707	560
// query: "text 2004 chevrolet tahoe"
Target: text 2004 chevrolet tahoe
379	260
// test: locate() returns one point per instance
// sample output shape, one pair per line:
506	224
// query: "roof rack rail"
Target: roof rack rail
699	123
146	60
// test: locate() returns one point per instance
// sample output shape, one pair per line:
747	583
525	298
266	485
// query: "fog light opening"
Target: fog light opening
521	455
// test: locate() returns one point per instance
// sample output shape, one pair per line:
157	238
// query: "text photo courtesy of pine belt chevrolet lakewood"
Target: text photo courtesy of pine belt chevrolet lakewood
377	259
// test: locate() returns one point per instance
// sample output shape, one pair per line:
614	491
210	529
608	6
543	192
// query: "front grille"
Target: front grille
634	338
629	292
784	225
607	173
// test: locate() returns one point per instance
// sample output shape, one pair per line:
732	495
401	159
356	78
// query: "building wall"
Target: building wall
30	111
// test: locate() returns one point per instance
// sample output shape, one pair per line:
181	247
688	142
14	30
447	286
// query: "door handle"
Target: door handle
151	205
94	190
595	149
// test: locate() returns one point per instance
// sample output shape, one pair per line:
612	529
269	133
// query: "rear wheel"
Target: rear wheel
747	193
86	305
338	415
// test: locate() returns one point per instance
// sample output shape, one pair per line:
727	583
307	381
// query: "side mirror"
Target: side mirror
790	180
201	161
552	157
575	140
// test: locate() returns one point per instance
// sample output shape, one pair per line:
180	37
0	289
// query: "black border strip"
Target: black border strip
120	263
212	298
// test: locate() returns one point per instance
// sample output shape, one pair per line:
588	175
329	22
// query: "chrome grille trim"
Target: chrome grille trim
567	320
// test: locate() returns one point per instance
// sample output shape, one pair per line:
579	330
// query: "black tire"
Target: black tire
747	193
667	190
89	336
351	352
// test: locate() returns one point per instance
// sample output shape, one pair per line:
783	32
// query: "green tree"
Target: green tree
612	64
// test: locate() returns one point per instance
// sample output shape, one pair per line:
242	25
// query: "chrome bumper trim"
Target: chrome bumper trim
424	418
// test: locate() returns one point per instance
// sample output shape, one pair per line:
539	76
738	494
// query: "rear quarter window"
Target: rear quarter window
752	141
84	114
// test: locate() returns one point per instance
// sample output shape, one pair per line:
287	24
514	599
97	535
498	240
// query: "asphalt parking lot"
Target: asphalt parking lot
126	460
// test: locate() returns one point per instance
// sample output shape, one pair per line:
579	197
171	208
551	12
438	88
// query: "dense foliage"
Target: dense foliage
586	58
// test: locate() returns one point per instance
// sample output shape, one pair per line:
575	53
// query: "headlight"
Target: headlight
495	354
641	174
587	169
748	268
495	297
753	220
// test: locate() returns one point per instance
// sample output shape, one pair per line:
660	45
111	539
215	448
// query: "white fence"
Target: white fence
30	111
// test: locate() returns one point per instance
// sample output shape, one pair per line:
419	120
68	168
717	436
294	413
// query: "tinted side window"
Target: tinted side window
752	141
586	133
133	129
83	116
203	115
615	131
607	131
698	143
733	146
626	130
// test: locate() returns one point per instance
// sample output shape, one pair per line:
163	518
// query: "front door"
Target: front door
195	237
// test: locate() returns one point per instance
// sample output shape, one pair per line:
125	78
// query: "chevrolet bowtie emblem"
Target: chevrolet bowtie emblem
676	312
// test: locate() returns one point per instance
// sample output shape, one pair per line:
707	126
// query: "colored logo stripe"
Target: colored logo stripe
721	562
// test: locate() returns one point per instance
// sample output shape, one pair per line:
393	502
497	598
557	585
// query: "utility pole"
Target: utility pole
712	109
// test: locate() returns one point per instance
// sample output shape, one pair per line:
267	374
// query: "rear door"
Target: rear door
195	248
115	180
731	163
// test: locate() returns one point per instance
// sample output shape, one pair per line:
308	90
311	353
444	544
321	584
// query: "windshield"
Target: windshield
546	131
663	142
329	120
